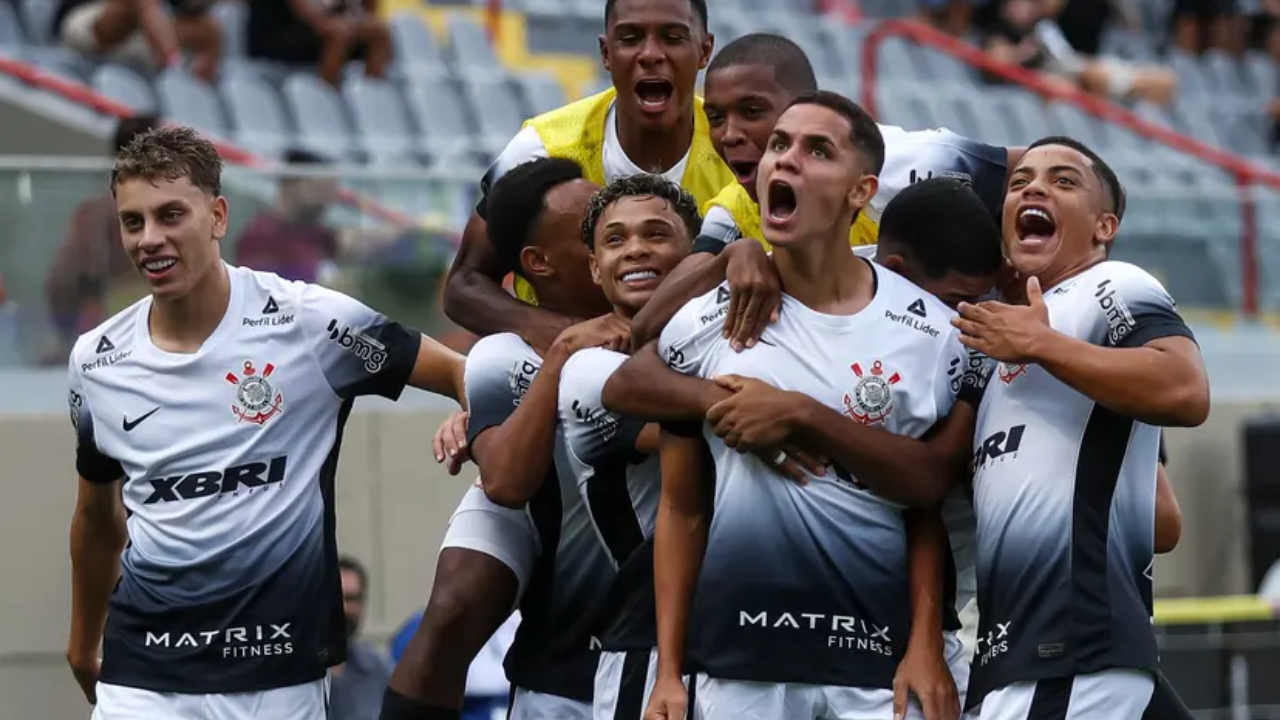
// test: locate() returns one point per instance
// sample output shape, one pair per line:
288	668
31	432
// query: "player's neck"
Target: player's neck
824	275
655	152
181	325
1052	277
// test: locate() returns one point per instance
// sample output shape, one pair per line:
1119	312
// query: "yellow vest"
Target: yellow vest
746	215
576	132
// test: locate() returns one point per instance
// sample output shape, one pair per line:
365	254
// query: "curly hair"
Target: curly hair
170	153
676	197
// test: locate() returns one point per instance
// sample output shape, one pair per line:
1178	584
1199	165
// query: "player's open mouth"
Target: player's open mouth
641	279
1035	226
157	268
782	201
744	170
654	94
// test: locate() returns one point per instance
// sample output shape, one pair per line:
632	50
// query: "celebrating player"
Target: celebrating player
1065	452
649	121
639	228
219	400
490	556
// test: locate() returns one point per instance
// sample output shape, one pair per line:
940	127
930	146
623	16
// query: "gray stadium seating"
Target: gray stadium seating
541	92
383	121
414	42
38	20
11	33
469	46
321	117
189	101
126	86
258	118
441	114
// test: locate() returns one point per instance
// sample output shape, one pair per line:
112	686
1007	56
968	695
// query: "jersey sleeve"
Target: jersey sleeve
951	375
689	342
525	146
359	351
594	433
91	463
984	166
1136	308
498	372
973	384
718	230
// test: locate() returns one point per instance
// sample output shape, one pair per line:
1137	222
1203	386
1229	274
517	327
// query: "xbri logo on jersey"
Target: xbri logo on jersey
997	445
372	352
256	400
871	399
1119	320
521	377
74	403
206	483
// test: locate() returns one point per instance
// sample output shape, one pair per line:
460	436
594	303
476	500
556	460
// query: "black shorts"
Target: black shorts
1205	9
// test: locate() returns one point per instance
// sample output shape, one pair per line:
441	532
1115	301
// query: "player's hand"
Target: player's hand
450	442
923	672
607	331
86	671
758	419
668	701
1008	333
541	336
755	293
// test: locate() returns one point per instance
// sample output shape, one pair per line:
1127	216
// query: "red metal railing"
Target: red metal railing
79	94
1245	173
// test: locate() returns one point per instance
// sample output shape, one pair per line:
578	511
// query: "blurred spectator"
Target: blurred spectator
1263	25
290	239
143	32
356	686
1020	32
321	34
93	278
954	17
487	687
11	331
1200	25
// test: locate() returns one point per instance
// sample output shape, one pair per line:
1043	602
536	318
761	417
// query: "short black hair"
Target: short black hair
350	564
516	202
643	185
1107	176
943	226
791	67
864	133
298	156
699	9
131	127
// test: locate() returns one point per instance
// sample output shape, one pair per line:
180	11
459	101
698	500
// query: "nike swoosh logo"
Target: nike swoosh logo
129	426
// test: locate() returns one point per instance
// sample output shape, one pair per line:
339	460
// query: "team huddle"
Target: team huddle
782	395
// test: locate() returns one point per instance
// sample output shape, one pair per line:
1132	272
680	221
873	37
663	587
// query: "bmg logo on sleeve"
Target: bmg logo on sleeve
372	352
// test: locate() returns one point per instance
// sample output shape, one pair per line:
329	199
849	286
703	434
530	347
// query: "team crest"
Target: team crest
1009	372
257	401
871	399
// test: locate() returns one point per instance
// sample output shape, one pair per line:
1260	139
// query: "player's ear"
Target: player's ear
603	40
534	263
595	267
892	261
708	45
219	217
862	191
1106	228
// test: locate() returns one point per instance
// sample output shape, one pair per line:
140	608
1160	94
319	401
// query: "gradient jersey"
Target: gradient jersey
230	580
621	489
1065	496
809	584
909	158
554	651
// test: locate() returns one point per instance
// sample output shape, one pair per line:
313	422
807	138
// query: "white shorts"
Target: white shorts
624	682
530	705
1120	694
507	535
741	700
77	33
309	701
957	656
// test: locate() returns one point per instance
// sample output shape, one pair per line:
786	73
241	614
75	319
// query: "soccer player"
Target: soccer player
1065	452
649	121
494	553
208	420
793	617
749	82
638	228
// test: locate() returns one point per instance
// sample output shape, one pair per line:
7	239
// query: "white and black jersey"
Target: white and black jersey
621	488
809	584
554	651
1065	496
230	579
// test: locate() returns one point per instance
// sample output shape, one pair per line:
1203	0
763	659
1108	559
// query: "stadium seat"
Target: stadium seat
124	86
60	61
320	117
1260	74
258	118
469	47
542	93
189	101
38	20
495	108
441	115
11	34
383	122
898	61
233	17
414	42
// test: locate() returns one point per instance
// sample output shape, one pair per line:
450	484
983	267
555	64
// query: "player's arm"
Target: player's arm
473	294
594	433
679	544
646	387
1168	514
439	370
924	670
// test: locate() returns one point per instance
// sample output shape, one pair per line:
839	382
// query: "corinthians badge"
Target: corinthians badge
257	401
871	399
